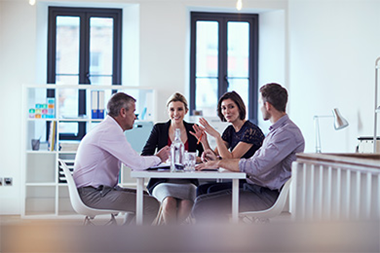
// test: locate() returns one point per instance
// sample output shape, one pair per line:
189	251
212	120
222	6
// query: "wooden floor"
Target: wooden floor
16	219
280	235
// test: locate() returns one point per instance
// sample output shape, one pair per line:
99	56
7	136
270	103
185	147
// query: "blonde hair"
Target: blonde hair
177	97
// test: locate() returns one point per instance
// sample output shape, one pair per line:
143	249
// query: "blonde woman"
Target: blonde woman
176	195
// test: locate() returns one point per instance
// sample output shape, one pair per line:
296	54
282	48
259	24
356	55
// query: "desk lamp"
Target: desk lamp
339	123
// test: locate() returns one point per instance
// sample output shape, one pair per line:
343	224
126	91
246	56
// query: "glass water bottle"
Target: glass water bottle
176	152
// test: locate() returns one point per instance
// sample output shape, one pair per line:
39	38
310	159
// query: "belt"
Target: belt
103	189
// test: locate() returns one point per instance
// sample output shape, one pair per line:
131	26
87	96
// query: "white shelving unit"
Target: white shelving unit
44	194
377	105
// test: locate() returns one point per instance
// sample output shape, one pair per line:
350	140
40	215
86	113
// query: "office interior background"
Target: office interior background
322	51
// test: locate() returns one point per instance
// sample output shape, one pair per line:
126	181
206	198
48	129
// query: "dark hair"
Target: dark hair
237	100
117	101
276	95
177	97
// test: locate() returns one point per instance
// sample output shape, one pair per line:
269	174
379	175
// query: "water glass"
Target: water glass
190	160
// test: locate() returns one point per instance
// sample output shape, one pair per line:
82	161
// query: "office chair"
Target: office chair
273	211
89	212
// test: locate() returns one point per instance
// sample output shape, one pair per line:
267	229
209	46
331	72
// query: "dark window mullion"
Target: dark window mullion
117	50
254	68
84	49
223	59
84	61
193	70
52	41
84	69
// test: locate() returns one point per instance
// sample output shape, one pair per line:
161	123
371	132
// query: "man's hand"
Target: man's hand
163	153
228	164
208	165
208	155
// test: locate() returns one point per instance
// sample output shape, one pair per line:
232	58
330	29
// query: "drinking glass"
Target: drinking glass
190	160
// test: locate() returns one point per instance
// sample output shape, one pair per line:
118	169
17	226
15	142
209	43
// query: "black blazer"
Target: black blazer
159	138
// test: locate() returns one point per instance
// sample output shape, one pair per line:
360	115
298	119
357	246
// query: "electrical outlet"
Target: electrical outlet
8	181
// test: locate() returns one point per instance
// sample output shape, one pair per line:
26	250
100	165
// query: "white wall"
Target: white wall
17	66
163	49
272	52
322	51
333	47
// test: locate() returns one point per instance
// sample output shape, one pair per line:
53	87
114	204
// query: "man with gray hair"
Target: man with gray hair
99	158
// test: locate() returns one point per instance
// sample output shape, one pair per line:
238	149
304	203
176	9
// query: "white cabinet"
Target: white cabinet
45	192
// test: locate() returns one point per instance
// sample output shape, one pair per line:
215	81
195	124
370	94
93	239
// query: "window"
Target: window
84	47
224	57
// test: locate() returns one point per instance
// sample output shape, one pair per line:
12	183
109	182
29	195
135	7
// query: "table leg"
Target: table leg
235	200
139	201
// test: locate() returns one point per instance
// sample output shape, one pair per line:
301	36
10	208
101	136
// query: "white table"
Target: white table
221	174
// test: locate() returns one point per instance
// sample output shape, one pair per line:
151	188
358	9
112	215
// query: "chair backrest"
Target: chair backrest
277	207
139	134
75	199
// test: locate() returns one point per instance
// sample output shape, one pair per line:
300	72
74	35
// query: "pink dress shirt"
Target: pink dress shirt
101	152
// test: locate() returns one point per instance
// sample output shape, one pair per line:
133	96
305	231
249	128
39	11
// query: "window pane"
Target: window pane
238	49
67	50
101	48
241	86
67	79
101	80
207	49
206	96
68	128
68	99
68	103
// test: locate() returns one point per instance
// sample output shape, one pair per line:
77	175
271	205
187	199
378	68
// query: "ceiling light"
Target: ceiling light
239	4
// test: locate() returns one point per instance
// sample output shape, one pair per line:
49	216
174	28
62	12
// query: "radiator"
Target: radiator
325	190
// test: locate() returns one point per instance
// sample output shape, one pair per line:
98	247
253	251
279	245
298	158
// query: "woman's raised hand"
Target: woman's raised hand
208	128
199	133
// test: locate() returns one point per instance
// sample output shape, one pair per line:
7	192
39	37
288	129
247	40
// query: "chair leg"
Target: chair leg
189	220
87	221
128	217
112	221
251	219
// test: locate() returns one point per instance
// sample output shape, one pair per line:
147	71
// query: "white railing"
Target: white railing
336	187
